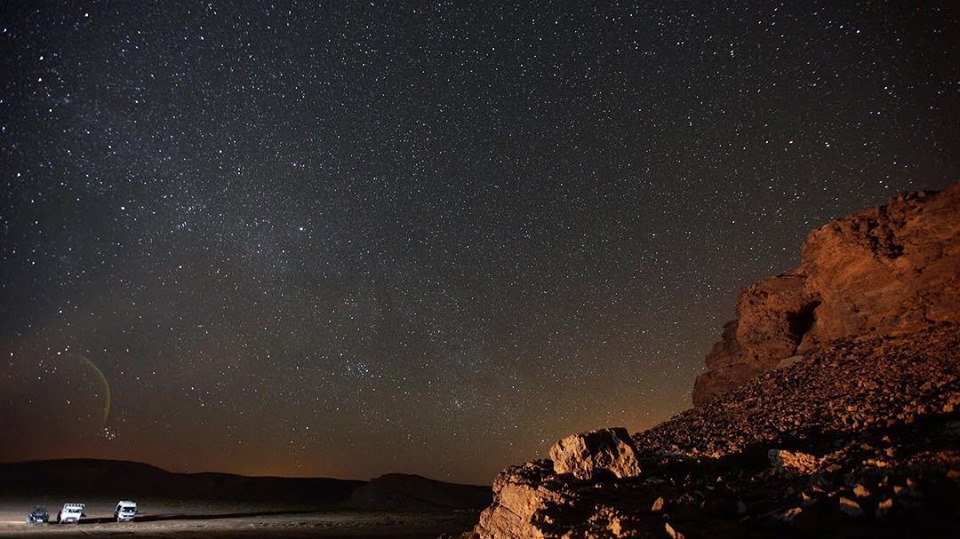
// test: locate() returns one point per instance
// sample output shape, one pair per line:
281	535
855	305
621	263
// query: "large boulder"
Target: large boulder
883	271
526	498
598	454
523	498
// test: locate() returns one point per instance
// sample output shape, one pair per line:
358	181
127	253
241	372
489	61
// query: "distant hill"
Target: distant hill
83	478
416	493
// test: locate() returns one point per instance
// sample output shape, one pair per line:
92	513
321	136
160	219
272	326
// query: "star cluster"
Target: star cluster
351	238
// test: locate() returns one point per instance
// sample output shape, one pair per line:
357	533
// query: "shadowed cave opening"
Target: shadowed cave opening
800	322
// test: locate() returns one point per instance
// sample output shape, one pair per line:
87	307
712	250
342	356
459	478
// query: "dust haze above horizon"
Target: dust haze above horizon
350	238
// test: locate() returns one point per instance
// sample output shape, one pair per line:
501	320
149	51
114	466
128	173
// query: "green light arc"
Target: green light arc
103	380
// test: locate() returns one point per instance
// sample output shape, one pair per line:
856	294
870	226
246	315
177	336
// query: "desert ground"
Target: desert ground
169	518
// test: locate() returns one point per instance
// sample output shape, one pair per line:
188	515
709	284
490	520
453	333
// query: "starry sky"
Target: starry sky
350	238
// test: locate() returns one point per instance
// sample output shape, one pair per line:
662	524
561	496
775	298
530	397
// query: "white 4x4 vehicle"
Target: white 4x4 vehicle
71	513
125	511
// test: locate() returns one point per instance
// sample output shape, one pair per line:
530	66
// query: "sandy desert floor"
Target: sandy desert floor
164	519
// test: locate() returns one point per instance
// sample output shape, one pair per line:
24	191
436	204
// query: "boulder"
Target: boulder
793	462
598	454
522	497
850	507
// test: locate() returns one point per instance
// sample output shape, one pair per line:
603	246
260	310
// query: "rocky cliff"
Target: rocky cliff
883	271
831	408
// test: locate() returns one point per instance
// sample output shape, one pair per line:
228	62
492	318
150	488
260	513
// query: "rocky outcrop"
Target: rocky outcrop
596	455
883	271
831	408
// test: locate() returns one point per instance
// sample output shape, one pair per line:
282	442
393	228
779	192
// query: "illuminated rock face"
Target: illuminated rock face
888	270
598	454
527	497
523	498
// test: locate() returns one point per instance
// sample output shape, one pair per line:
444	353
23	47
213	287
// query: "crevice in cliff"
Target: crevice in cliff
802	321
882	237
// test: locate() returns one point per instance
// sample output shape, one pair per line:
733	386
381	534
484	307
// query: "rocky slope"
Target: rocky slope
883	271
838	412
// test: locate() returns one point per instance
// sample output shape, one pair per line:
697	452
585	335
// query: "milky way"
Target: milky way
365	237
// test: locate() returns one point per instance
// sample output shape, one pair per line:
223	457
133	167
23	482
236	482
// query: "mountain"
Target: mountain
831	407
80	478
90	478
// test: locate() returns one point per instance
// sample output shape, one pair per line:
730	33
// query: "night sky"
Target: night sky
355	238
